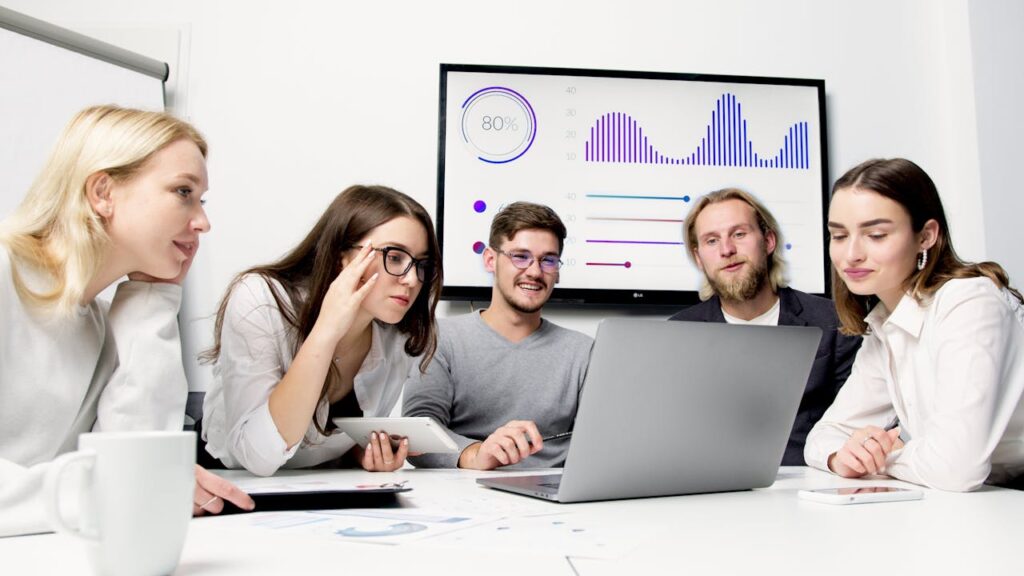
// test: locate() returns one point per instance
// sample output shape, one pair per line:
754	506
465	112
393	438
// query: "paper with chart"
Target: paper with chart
564	534
462	515
370	525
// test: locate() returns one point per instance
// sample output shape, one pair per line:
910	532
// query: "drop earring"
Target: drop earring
922	259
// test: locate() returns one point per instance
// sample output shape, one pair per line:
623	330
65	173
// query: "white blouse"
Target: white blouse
257	349
952	370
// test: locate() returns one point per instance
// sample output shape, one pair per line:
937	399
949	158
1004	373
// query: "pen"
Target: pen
551	437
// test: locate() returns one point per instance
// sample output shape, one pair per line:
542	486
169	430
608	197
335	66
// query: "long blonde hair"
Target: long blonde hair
765	222
55	228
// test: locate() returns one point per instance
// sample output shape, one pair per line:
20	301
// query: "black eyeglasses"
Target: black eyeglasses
398	262
523	260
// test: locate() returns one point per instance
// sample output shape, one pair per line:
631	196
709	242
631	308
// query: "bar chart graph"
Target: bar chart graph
618	137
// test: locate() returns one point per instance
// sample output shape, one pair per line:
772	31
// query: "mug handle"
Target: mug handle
51	490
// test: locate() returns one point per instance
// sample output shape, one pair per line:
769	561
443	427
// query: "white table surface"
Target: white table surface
765	531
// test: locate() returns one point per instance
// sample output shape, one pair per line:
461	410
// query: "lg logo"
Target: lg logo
638	294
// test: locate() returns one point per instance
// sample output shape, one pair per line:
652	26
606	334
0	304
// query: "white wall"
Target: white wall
301	99
997	47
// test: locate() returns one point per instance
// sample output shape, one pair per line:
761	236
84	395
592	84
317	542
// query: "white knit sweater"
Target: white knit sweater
114	366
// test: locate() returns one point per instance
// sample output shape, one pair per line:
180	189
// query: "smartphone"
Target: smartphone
860	495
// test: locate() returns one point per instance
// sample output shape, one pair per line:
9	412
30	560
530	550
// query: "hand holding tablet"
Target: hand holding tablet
425	435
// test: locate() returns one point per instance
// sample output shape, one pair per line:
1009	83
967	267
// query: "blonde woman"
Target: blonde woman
121	195
934	397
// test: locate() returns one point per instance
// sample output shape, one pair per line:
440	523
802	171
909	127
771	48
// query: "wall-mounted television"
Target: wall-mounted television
622	156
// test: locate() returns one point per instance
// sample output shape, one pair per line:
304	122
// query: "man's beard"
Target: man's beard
743	288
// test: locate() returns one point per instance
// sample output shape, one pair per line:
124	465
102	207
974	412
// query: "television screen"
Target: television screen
621	157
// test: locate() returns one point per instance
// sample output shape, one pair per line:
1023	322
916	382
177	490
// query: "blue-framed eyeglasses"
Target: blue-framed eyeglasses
398	262
522	259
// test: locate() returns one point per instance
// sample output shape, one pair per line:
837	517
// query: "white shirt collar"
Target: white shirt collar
908	316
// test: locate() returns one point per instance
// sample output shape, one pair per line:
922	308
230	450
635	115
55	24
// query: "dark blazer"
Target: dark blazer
831	366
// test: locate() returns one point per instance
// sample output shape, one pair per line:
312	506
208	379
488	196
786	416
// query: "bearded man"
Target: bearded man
735	241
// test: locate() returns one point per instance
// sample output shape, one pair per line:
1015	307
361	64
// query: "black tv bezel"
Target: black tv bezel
605	297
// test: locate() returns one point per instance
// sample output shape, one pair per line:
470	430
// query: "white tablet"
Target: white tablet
424	433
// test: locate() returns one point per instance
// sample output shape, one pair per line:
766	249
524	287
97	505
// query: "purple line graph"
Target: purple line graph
589	241
617	137
627	264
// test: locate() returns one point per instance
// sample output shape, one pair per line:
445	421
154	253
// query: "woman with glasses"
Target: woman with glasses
332	329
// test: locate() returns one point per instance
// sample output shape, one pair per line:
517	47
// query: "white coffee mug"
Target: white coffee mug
135	500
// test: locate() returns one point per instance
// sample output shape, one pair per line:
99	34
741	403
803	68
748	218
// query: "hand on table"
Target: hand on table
865	452
507	445
212	491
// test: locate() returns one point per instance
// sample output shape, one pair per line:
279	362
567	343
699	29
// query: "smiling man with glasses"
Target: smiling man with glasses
503	378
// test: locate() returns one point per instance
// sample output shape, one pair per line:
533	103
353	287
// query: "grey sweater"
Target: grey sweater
478	381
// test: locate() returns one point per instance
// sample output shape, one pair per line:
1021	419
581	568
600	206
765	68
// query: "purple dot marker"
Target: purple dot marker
789	246
628	264
479	206
478	247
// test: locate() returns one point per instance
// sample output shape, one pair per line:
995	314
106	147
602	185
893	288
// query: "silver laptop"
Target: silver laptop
679	408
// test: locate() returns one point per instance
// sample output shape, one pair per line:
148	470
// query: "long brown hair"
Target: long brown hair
905	183
307	271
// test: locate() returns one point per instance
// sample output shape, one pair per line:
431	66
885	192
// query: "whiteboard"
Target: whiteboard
42	85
